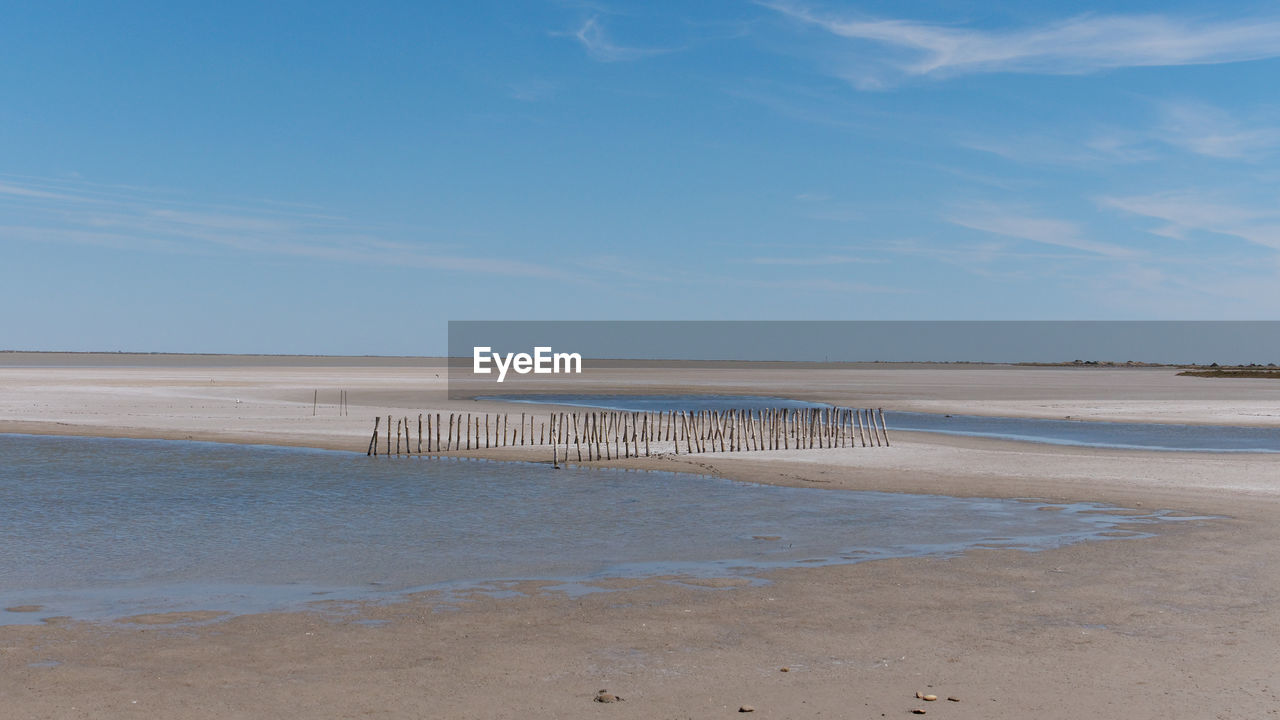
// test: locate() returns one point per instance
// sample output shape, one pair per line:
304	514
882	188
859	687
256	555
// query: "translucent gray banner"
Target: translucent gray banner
482	351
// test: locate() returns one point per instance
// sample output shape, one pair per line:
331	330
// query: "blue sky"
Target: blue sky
325	178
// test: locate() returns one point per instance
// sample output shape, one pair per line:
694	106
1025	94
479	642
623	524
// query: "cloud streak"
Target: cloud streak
1186	213
1077	45
601	47
1046	231
1209	131
44	211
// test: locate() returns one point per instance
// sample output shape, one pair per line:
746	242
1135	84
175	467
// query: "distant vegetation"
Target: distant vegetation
1214	370
1249	371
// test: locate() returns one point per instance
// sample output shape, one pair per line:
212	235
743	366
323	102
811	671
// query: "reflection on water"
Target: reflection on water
659	403
1144	436
97	528
1136	436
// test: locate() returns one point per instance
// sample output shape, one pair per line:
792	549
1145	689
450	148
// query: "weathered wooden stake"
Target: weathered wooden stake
373	443
554	462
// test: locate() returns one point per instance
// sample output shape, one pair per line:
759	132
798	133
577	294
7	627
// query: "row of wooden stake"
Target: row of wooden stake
606	434
342	402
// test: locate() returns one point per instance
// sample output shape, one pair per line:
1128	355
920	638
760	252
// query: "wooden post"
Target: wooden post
577	444
419	433
554	462
373	443
397	437
883	428
315	398
388	434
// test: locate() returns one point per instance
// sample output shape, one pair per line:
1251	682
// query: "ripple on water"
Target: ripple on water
106	528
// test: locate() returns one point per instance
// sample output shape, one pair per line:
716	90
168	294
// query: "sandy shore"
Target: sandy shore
1180	625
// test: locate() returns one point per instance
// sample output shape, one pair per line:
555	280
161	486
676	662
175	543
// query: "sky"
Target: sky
320	177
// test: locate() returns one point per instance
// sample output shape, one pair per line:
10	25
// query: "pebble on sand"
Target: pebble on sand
604	696
953	698
746	708
929	698
917	711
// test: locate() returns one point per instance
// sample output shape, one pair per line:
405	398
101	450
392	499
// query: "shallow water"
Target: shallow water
103	528
1133	436
659	403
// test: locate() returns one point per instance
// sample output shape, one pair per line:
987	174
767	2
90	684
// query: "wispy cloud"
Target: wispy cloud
531	90
600	46
31	192
1082	44
1103	148
45	211
1047	231
1207	130
819	206
825	286
1185	213
815	260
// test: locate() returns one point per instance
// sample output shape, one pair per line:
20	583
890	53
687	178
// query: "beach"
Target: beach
1175	625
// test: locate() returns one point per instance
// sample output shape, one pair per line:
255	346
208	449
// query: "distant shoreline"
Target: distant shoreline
109	358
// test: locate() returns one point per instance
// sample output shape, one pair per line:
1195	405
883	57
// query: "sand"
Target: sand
1179	625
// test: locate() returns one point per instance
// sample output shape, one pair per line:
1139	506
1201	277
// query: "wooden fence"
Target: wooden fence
609	434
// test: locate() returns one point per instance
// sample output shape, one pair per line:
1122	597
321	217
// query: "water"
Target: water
105	528
660	403
1133	436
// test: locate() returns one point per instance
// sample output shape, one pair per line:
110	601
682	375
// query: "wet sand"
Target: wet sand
1179	625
